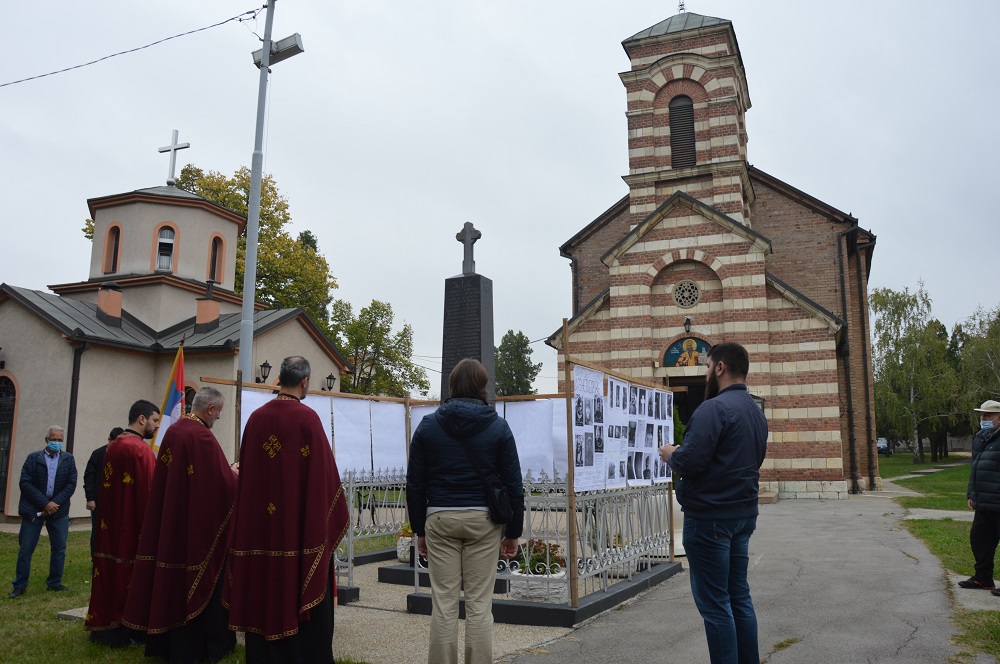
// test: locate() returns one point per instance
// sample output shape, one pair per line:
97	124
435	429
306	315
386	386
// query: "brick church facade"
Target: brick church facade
706	241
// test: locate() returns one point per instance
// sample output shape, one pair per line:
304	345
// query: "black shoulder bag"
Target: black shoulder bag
497	496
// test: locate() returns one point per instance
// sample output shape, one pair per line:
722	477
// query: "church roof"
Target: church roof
679	23
78	320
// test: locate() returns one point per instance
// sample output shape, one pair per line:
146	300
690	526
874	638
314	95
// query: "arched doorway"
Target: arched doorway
688	398
8	401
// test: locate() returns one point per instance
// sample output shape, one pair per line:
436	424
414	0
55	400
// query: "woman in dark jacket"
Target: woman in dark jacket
449	514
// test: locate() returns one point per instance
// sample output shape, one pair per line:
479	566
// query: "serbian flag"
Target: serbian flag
173	399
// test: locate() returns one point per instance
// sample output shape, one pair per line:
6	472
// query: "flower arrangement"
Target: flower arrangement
541	557
405	530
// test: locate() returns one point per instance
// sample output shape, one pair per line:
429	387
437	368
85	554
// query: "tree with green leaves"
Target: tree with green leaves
290	272
980	361
382	359
915	383
515	372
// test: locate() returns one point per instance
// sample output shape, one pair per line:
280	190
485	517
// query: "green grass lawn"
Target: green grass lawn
943	490
29	629
979	631
901	463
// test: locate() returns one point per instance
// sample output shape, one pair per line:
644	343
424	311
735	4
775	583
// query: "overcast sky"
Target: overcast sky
403	120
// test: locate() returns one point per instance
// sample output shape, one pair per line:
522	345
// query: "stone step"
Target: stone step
767	497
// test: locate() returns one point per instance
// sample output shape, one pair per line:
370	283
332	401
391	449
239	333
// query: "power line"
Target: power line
133	50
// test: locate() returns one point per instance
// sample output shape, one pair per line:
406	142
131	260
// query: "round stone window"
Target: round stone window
686	294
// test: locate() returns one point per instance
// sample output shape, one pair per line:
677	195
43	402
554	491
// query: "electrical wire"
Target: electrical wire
133	50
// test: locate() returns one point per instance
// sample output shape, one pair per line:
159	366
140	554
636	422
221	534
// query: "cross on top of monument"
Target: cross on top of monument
172	149
468	236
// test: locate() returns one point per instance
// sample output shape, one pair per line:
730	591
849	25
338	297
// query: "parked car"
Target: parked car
883	445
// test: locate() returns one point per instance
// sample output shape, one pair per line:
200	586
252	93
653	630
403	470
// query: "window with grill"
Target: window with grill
682	148
686	294
165	250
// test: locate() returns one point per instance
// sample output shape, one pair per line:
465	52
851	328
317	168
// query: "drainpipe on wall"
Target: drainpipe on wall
74	389
864	363
844	349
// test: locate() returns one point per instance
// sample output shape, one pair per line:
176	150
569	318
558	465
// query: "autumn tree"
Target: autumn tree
915	384
515	372
290	272
382	359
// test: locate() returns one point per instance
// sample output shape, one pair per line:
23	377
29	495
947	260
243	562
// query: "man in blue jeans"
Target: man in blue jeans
48	480
718	470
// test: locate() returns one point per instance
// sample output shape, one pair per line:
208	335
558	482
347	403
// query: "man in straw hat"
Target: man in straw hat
984	497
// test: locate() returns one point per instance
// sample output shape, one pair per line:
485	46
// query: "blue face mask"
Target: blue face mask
54	446
985	425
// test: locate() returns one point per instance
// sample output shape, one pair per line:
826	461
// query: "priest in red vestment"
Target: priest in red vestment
176	594
290	515
125	480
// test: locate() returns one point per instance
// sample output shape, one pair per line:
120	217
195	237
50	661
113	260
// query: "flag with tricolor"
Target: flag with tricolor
173	399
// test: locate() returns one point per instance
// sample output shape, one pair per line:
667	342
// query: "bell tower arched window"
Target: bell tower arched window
215	260
682	143
165	250
112	247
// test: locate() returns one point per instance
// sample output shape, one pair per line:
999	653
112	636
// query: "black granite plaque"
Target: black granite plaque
468	327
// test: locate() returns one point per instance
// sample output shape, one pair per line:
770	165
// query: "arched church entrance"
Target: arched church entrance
688	398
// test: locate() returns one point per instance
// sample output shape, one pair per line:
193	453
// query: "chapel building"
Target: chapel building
705	248
162	271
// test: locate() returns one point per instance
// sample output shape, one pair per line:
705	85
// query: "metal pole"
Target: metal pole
253	209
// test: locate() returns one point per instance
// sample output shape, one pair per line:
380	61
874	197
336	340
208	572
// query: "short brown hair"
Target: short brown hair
468	380
734	356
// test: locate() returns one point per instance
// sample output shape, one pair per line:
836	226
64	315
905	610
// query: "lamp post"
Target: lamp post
270	52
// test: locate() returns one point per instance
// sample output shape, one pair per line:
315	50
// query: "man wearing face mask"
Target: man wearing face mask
984	497
125	481
719	468
48	479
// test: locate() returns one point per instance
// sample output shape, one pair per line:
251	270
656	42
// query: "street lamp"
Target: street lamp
687	324
330	380
265	371
270	53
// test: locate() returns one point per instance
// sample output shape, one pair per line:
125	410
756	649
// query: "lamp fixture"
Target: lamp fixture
330	380
687	324
265	370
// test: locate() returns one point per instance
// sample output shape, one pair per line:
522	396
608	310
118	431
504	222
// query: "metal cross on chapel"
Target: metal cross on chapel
172	149
468	236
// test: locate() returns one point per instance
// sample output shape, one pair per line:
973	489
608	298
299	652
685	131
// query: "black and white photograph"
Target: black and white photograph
647	471
630	465
631	433
642	401
588	449
656	404
588	412
578	461
598	409
618	396
621	468
659	436
598	439
637	463
633	396
649	434
578	420
611	471
649	404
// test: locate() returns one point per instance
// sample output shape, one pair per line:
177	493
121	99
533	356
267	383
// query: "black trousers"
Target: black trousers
206	638
983	538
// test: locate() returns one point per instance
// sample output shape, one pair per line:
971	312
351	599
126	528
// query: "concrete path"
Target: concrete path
833	581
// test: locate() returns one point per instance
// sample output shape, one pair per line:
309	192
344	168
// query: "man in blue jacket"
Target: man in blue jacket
48	480
719	470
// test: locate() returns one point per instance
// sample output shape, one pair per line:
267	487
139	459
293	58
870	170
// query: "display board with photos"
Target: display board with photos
618	428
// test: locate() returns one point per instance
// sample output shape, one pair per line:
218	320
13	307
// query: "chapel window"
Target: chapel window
8	402
111	248
214	269
686	294
682	144
165	250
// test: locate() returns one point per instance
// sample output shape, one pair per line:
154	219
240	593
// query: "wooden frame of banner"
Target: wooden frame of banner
568	361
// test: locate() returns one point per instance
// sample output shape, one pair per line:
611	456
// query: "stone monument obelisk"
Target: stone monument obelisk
468	317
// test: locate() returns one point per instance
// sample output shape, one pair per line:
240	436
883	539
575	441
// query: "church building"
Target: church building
162	271
705	248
